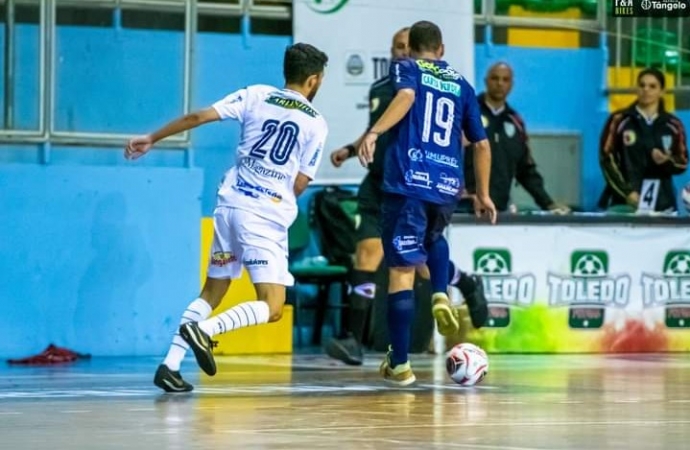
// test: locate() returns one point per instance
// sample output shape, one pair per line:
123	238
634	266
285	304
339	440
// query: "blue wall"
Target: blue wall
99	259
134	83
99	255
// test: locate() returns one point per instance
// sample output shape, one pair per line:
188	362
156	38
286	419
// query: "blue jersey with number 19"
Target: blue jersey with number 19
424	159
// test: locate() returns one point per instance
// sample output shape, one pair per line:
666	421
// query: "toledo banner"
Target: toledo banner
357	36
579	288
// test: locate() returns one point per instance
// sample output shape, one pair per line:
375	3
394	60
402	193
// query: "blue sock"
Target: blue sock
400	315
438	260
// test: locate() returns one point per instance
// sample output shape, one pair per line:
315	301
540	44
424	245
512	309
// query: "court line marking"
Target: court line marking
464	425
460	445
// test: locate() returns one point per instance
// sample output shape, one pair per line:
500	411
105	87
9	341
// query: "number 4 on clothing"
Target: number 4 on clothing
648	195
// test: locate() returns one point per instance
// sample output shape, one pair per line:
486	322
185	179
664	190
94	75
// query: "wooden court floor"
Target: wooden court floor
311	402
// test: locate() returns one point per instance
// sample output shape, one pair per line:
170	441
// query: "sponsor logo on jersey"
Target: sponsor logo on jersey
419	155
254	191
445	73
291	103
417	178
440	85
448	184
255	166
315	158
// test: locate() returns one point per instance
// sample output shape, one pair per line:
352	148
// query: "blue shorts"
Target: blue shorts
408	226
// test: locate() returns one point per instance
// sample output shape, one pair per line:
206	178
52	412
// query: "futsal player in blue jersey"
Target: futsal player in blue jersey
433	108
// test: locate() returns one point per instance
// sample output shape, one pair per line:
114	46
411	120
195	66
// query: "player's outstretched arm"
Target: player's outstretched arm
396	111
482	171
140	145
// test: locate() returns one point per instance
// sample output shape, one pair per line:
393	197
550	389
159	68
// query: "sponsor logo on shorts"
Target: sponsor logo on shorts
405	244
220	259
255	262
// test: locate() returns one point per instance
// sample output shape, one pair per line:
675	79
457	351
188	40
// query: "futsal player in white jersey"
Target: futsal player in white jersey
280	149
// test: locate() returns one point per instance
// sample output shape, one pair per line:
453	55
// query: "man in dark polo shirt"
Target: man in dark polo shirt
511	158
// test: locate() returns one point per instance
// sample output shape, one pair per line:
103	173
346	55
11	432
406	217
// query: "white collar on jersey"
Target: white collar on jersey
649	119
495	111
290	91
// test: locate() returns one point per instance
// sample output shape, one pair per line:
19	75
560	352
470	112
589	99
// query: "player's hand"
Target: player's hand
660	157
338	157
138	147
366	149
484	206
633	199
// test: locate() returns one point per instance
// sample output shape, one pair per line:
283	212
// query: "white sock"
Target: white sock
456	277
239	316
197	311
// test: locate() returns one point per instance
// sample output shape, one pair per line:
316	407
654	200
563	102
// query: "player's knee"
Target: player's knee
275	313
369	254
214	290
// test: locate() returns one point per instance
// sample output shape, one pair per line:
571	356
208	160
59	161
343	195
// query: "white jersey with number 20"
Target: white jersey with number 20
282	135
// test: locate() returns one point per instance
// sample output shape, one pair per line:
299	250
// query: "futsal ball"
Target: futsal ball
467	364
685	195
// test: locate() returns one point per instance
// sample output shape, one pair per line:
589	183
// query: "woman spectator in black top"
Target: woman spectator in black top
643	142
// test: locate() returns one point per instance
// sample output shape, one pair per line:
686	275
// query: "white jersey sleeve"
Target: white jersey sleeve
233	106
310	159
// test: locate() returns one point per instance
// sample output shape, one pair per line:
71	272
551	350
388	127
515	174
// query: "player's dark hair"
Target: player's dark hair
425	36
302	61
656	73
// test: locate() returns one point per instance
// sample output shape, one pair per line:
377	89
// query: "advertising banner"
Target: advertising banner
579	288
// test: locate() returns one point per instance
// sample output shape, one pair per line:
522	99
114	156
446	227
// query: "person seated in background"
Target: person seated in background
643	142
511	158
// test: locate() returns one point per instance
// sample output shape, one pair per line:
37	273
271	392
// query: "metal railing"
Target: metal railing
650	42
488	16
46	133
627	45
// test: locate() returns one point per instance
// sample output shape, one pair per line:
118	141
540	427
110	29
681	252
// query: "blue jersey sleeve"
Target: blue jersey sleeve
472	125
404	74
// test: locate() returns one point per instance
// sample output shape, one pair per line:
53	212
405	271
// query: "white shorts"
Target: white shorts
241	238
